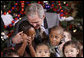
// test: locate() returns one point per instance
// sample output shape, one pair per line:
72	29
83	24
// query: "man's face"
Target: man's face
70	51
55	38
42	51
35	21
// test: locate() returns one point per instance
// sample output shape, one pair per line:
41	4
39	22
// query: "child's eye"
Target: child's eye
56	37
39	51
71	50
51	36
46	51
66	52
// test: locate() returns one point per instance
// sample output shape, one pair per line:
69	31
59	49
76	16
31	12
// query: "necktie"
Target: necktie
57	52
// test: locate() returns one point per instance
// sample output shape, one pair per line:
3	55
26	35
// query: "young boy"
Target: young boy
55	37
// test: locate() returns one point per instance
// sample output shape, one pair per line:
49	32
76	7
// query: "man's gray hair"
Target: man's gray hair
34	8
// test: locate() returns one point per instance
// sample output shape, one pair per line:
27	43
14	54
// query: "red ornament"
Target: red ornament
61	10
9	11
12	7
13	21
5	26
22	9
21	12
58	1
15	18
52	5
54	9
61	14
18	15
66	4
10	25
39	2
60	7
4	13
22	3
16	3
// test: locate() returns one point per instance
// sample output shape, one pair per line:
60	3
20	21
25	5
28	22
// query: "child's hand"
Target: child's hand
29	41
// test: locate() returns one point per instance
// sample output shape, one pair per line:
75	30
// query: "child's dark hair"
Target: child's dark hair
43	43
73	44
24	26
59	28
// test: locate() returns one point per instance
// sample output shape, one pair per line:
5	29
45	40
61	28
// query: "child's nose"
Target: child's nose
43	54
54	38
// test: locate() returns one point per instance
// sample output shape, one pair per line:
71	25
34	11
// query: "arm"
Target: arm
32	51
31	48
21	50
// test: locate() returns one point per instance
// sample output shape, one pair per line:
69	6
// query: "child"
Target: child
41	50
10	52
71	49
28	32
67	37
55	37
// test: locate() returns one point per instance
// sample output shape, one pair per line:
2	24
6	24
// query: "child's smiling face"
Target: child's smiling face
70	51
55	37
31	32
42	51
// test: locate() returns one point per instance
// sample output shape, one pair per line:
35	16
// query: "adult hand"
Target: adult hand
24	37
17	38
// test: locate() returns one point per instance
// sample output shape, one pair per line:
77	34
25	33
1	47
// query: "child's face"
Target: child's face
70	51
55	37
31	33
67	36
42	51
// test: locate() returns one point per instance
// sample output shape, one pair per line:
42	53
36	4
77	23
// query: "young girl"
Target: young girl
41	50
71	49
28	32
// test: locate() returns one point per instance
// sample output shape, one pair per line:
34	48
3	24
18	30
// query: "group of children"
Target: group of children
58	44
